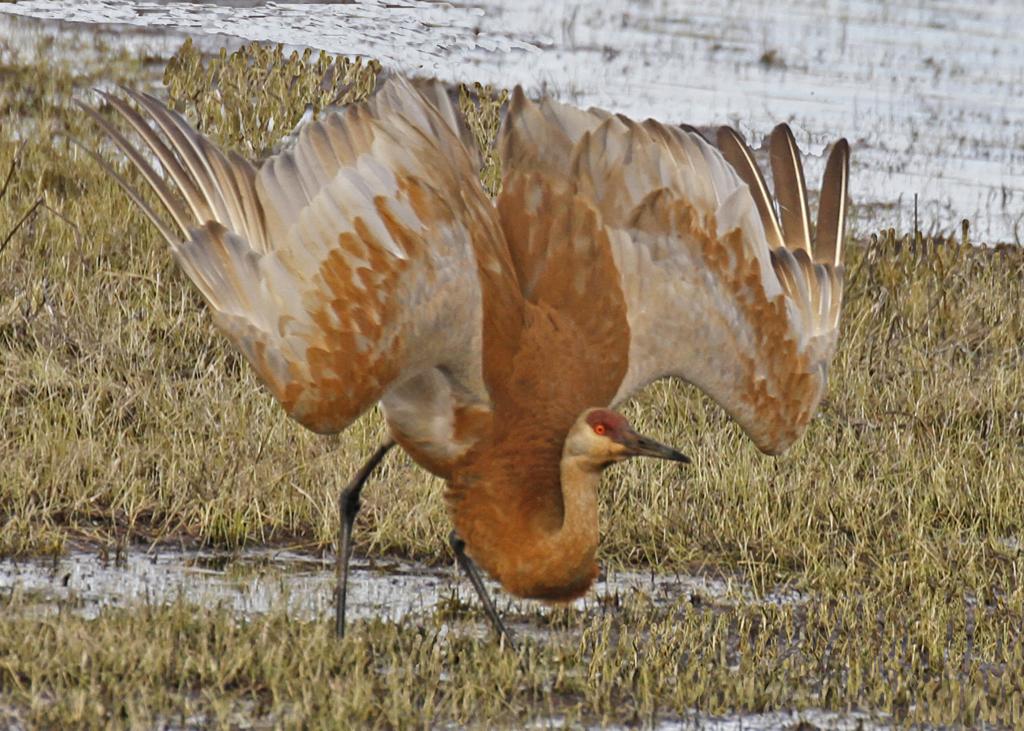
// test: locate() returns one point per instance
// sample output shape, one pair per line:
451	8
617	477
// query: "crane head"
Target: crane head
605	437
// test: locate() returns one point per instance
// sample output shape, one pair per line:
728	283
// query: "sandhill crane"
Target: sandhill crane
367	264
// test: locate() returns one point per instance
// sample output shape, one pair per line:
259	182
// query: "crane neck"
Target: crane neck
578	534
557	561
532	527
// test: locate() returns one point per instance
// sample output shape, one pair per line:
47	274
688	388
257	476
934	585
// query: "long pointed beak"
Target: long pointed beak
641	446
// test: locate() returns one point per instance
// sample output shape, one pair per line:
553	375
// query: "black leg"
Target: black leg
459	546
348	505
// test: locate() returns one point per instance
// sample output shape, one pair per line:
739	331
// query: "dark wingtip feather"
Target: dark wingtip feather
736	152
790	188
832	205
694	131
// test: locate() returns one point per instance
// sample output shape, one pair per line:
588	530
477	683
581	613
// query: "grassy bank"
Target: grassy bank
125	417
635	665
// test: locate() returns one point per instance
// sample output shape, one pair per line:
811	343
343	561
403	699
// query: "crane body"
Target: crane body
367	264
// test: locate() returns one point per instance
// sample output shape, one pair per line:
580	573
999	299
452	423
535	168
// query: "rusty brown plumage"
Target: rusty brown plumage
571	354
367	264
717	291
343	265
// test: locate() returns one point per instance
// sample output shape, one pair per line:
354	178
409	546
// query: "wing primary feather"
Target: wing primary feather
183	160
252	210
131	192
823	303
694	131
832	206
735	151
155	181
790	189
188	145
168	160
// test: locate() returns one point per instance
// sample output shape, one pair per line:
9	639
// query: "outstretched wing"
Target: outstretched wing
717	291
342	268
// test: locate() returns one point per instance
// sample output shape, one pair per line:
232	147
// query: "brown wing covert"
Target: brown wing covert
342	266
718	290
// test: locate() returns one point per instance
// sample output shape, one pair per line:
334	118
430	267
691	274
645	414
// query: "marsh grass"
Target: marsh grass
482	105
125	417
637	664
249	99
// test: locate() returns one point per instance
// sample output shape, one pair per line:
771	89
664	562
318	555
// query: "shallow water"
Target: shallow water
258	581
796	720
930	93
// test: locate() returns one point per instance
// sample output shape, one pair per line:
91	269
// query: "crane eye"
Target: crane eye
599	430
